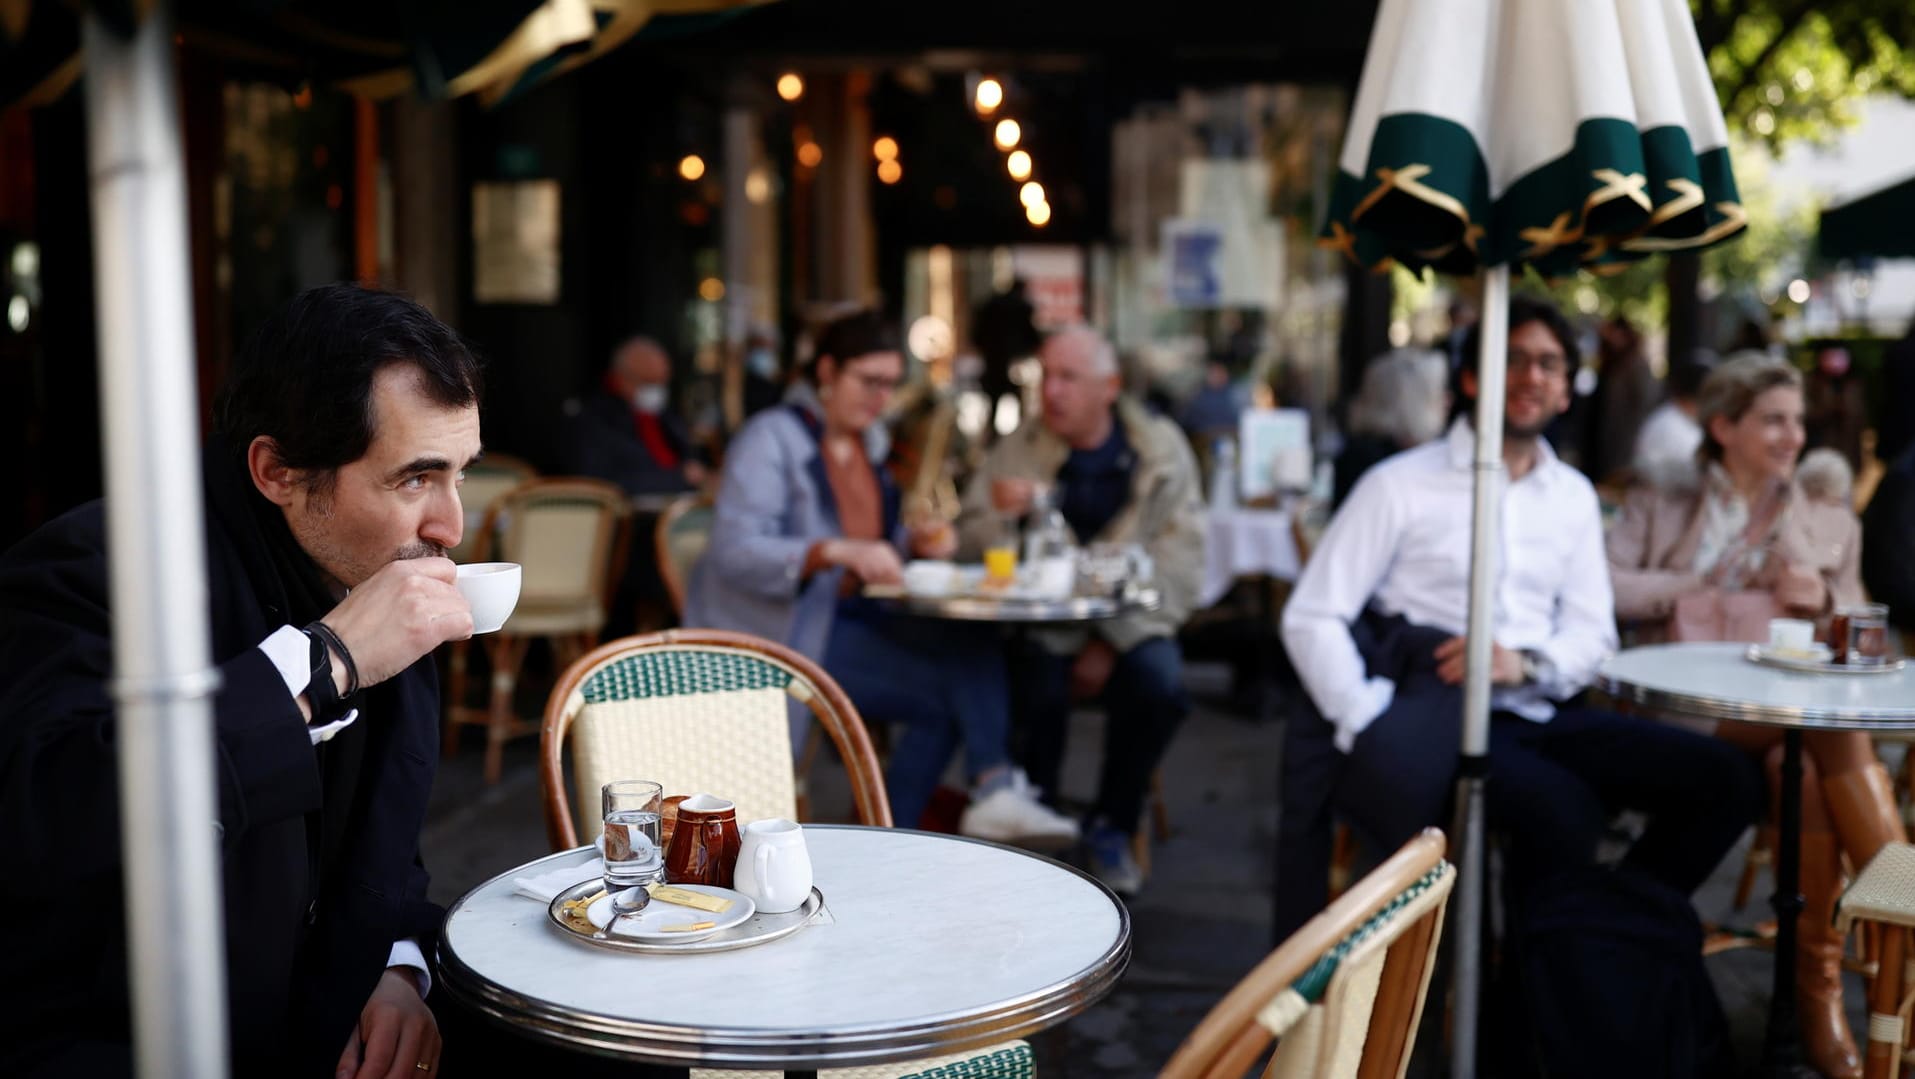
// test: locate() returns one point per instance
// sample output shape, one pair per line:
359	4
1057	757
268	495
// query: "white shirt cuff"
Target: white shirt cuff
406	953
289	649
1371	701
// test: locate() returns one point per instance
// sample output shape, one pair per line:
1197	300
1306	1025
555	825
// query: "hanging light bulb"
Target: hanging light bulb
791	86
1038	213
1007	134
1031	193
1020	165
989	95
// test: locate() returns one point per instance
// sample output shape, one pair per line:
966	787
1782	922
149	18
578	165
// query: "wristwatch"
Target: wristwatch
1533	666
321	693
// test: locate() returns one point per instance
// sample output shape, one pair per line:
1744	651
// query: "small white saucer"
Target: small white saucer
653	924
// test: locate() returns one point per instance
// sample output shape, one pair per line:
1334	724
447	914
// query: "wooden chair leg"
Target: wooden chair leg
1884	1002
1761	853
456	662
507	654
1342	859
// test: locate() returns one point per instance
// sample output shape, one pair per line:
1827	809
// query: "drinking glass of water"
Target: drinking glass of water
633	857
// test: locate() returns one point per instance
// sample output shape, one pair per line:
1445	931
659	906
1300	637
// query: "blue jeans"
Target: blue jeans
945	682
1143	702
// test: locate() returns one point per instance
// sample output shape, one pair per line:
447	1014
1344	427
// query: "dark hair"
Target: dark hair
1523	310
857	334
304	378
1685	377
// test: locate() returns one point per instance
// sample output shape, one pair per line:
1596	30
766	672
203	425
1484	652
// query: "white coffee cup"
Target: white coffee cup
774	868
1791	635
492	588
925	577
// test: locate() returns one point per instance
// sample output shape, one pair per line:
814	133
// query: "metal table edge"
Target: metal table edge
1707	707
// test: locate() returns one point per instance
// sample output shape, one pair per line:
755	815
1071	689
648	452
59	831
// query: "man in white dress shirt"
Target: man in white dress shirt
1374	632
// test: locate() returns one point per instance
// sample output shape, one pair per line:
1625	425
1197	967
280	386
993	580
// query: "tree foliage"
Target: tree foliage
1791	70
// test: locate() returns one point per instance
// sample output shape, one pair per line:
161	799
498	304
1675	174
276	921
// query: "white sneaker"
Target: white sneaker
1012	814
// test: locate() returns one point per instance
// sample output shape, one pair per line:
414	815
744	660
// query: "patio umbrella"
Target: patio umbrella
1565	135
163	678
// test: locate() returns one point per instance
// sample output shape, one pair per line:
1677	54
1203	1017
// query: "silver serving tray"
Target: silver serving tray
760	928
1758	654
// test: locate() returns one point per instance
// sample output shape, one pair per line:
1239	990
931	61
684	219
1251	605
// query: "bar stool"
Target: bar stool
1882	899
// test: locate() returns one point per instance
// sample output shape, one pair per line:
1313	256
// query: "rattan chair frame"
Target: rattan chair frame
1230	1040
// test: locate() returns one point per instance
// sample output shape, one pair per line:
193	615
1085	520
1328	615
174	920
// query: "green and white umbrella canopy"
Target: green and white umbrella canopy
1566	134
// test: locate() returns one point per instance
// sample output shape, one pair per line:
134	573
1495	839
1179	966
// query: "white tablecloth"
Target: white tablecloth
1246	543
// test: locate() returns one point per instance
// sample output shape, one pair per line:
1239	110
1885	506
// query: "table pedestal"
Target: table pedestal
1782	1044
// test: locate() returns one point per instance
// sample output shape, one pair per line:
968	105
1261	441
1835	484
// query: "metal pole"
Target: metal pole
163	680
1485	532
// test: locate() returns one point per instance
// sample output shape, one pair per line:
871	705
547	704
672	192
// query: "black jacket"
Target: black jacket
604	443
319	846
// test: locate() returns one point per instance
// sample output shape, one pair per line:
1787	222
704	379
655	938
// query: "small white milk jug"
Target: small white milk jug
774	868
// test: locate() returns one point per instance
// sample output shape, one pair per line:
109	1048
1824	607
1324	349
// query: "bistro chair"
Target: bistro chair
684	531
696	710
567	534
1344	995
493	475
1881	901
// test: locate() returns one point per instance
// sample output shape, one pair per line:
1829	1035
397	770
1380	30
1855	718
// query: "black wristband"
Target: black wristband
321	694
324	632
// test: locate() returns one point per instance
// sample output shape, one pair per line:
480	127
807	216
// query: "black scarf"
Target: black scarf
295	593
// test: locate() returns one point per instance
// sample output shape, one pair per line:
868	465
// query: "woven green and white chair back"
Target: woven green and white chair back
694	720
1008	1060
1323	1019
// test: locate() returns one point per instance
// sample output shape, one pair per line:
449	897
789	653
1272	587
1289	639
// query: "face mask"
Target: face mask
762	362
649	399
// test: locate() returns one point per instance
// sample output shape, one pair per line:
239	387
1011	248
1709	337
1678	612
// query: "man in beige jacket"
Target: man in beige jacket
1120	476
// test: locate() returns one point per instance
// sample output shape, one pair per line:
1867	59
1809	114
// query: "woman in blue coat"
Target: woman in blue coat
806	516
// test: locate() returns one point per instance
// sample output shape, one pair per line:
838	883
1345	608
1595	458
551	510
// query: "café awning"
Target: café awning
375	48
1880	224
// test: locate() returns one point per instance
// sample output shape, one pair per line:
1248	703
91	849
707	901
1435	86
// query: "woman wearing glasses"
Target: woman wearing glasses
806	516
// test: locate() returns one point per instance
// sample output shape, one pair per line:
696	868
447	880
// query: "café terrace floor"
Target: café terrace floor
1200	923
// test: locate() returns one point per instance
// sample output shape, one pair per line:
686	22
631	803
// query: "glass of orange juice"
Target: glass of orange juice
1000	563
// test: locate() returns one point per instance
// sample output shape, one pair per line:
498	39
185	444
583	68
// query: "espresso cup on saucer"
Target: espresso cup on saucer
492	588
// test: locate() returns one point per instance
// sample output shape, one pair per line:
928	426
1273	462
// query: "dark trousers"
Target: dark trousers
476	1044
1552	787
1144	701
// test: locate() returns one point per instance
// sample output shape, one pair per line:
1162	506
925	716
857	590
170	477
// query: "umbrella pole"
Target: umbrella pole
163	681
1473	764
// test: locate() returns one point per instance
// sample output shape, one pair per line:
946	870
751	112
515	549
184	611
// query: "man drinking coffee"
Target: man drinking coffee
332	496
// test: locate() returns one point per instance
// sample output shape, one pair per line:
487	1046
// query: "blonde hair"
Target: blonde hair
1732	388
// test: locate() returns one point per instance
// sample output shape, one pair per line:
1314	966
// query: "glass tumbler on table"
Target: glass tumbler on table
1865	638
633	856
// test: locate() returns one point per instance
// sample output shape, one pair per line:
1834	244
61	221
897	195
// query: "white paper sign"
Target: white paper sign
1273	451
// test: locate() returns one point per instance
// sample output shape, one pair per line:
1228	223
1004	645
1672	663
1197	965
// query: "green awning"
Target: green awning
1877	225
377	48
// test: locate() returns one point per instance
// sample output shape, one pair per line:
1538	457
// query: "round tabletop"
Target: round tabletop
972	607
1718	681
929	944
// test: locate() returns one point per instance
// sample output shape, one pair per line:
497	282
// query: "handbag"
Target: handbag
1716	614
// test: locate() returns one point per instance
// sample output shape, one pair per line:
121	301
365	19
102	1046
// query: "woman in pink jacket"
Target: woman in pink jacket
1747	518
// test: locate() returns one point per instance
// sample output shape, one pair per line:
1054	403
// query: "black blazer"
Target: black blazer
319	847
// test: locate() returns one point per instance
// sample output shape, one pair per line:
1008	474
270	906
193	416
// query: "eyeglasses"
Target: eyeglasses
874	384
1553	364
